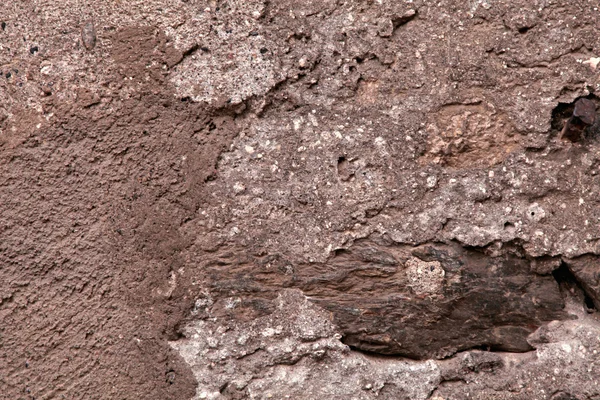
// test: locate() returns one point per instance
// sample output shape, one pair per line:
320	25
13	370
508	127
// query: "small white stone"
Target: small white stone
431	181
239	187
297	123
593	62
242	340
249	149
268	332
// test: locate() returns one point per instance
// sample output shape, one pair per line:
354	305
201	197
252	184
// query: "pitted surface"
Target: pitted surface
175	168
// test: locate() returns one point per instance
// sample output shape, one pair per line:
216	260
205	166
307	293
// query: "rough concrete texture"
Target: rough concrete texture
295	353
312	199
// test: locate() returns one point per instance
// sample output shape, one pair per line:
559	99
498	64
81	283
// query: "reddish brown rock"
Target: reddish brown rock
426	301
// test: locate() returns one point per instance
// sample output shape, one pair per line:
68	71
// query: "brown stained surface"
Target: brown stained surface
212	199
470	135
91	206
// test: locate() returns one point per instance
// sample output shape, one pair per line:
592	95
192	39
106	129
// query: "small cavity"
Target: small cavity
569	285
524	29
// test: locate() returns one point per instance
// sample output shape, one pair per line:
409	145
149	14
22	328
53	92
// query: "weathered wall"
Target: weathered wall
351	199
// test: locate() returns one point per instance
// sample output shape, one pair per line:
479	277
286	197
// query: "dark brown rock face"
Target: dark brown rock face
426	301
586	270
433	300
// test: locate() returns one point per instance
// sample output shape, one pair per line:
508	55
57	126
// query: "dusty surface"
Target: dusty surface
295	353
236	199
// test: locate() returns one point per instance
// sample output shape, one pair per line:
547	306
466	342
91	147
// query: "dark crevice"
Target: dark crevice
374	354
223	387
589	302
483	347
170	377
570	286
524	29
344	169
492	348
184	55
509	226
372	212
575	128
339	252
480	348
404	19
191	50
